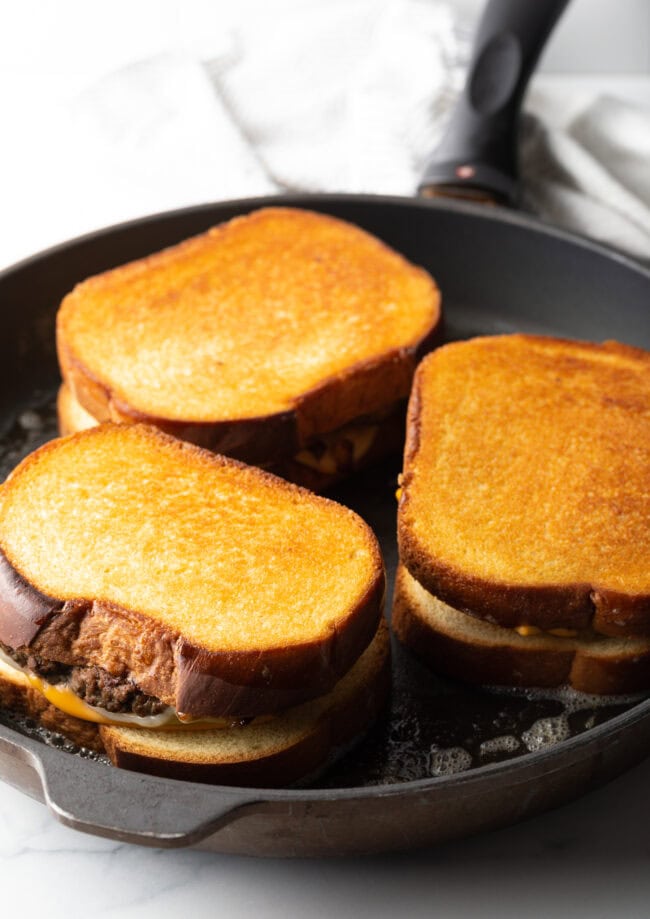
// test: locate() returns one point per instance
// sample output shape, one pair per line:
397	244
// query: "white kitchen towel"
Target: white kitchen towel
248	99
593	177
305	95
341	96
308	95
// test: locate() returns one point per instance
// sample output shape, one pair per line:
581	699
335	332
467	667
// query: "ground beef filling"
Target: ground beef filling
93	685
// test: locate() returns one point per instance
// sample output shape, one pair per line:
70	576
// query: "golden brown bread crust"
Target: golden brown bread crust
160	659
162	664
356	388
537	452
251	440
301	747
447	641
280	768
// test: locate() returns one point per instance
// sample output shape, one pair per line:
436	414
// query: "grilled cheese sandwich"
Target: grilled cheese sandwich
151	588
265	336
524	522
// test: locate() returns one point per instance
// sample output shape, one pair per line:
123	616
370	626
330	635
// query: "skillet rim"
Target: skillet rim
492	212
256	795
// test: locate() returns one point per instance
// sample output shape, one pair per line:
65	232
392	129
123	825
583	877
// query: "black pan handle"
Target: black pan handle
477	156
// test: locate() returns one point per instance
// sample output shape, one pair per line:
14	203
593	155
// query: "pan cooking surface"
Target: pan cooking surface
484	759
434	726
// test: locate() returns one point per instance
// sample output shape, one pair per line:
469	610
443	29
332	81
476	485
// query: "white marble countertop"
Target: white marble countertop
587	859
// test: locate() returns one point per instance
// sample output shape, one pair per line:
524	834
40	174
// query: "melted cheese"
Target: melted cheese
527	630
67	701
360	436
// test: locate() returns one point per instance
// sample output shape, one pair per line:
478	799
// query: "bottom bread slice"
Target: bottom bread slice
277	752
462	646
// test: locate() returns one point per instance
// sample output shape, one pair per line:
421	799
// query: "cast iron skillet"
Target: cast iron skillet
499	272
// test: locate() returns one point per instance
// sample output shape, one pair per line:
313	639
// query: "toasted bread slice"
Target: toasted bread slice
526	486
291	746
470	649
328	459
215	587
252	338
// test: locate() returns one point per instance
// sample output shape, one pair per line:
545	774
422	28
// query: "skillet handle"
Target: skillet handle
132	807
477	156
